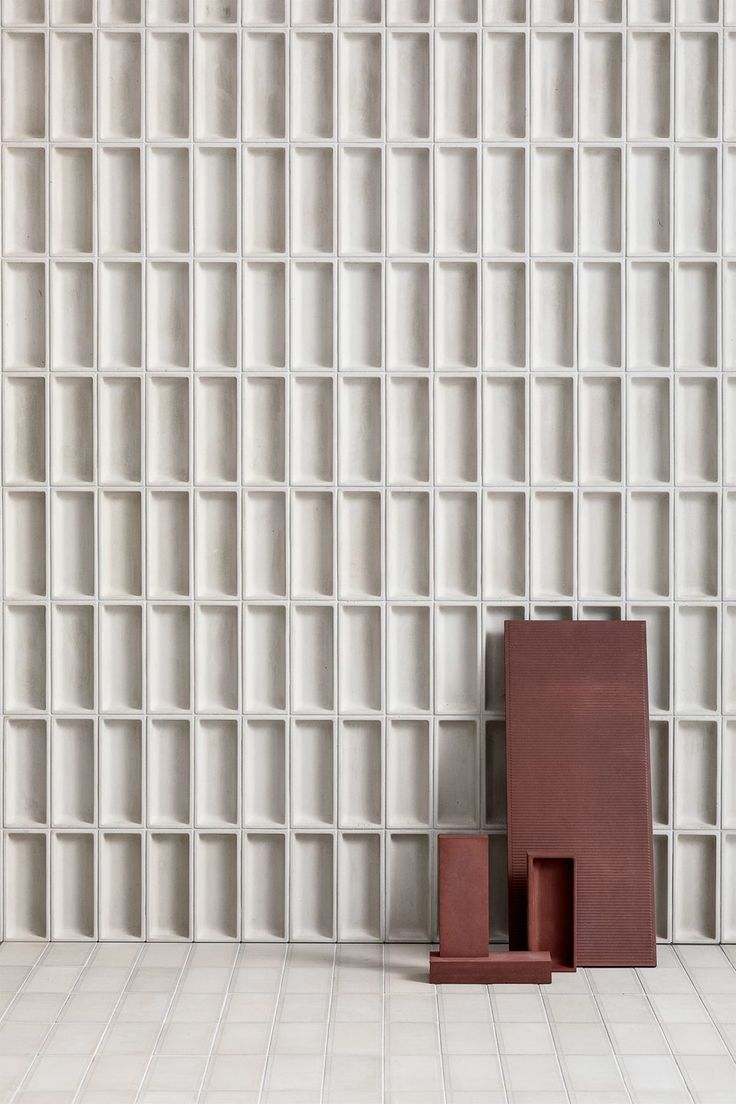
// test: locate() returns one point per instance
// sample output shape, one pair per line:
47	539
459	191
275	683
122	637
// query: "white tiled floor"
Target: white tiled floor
355	1024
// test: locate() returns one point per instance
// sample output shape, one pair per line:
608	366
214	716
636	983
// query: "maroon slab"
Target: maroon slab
578	781
463	895
506	967
551	907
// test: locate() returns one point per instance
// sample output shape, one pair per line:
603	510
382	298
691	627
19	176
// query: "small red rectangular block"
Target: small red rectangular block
508	967
463	896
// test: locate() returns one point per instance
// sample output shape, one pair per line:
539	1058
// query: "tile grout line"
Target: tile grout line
216	1034
175	993
274	1019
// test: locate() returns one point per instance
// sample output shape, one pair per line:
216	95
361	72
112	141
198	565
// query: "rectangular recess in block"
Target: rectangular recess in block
696	762
120	314
696	659
599	199
649	199
312	63
696	194
73	877
552	189
408	199
26	886
72	201
120	86
696	418
360	430
311	886
119	434
217	886
408	548
600	87
504	199
168	11
504	436
456	85
24	209
121	756
649	544
493	637
168	544
25	771
361	11
504	545
119	203
169	885
24	678
457	659
121	658
264	544
72	315
264	85
553	425
649	430
73	526
697	67
360	658
169	774
361	107
408	291
120	571
216	430
72	97
552	84
728	774
264	430
216	773
24	430
456	200
456	315
648	84
312	315
456	429
24	324
553	556
265	866
658	653
728	888
72	658
662	885
408	425
216	199
600	315
660	756
265	656
697	515
361	199
167	87
408	887
265	215
312	772
264	773
407	11
408	641
552	313
360	544
600	537
408	759
456	544
264	322
121	886
360	789
168	447
73	773
168	183
408	86
312	199
695	888
24	531
24	86
216	86
600	430
312	658
729	544
648	296
217	662
169	683
216	315
168	315
312	525
504	86
495	773
312	425
696	315
361	313
360	867
456	768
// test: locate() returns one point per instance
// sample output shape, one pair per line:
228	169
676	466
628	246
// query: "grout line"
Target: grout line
237	963
164	1021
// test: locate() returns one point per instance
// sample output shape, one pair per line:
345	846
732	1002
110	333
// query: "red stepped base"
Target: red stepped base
508	967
